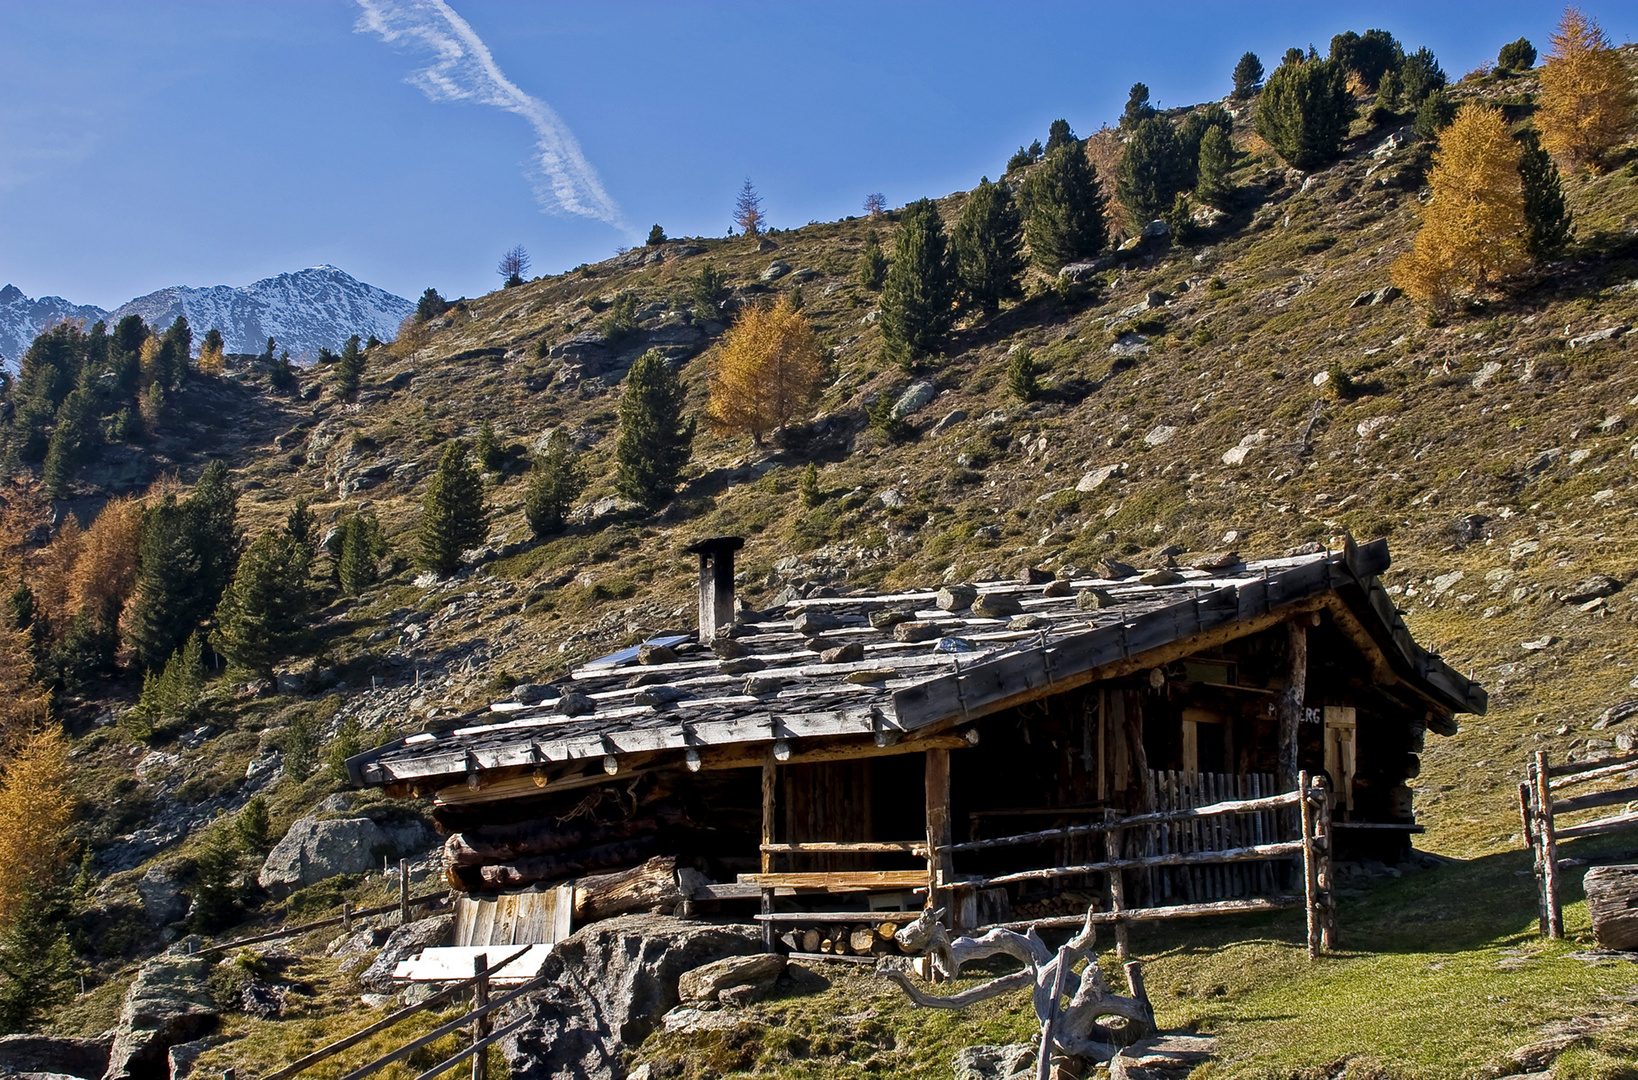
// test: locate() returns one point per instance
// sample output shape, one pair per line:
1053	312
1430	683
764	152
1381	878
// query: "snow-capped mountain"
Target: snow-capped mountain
319	307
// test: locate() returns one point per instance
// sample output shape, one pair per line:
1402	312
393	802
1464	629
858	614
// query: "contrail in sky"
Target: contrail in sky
462	69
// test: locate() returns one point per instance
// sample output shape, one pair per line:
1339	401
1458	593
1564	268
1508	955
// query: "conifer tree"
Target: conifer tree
1516	56
349	369
1064	210
486	448
36	963
1434	115
215	881
261	619
1369	55
1022	382
1248	77
768	370
654	440
85	654
430	306
748	209
808	490
1153	170
556	479
175	350
871	269
213	529
1546	216
1304	112
988	245
362	548
167	607
176	693
71	440
253	827
1058	134
1585	107
918	294
1217	155
708	289
300	524
1419	75
453	516
1473	233
1137	108
1193	130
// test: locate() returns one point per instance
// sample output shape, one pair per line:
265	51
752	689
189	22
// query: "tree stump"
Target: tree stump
1612	898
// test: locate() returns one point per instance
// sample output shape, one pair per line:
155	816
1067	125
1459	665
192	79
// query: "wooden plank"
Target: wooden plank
804	918
937	800
443	1029
840	879
1240	806
1156	914
1593	828
1194	858
813	847
843	958
446	963
475	1048
1394	826
1310	869
1576	772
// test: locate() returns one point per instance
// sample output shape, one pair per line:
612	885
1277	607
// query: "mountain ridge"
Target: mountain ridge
304	311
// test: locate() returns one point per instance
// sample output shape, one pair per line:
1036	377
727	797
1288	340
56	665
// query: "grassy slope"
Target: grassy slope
1256	312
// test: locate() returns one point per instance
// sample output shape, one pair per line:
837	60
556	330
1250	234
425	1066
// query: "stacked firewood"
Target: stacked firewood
1045	907
842	939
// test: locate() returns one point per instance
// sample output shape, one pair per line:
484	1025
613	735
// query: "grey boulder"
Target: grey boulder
406	941
315	850
169	1003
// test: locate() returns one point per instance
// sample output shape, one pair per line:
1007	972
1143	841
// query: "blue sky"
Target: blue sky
146	144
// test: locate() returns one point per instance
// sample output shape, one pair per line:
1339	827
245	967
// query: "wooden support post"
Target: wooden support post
770	781
1549	849
346	917
481	1026
403	892
1117	894
1325	837
1291	701
1310	867
939	861
1527	807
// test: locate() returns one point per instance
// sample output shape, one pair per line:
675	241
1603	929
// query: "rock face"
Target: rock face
86	1058
609	985
314	850
994	1062
161	895
404	943
707	981
169	1003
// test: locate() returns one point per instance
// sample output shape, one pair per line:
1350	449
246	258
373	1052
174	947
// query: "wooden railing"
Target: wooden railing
477	1019
1540	806
345	919
1313	847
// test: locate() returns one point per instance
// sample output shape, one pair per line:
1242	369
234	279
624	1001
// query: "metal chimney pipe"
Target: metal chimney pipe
716	584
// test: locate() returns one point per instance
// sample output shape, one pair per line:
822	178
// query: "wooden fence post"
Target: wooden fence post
1310	867
403	892
770	777
1326	837
481	1026
346	917
1117	894
1549	849
939	859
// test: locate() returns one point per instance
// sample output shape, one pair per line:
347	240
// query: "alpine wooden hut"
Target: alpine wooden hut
829	751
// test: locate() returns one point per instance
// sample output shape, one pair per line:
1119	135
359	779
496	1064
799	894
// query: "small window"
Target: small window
1209	672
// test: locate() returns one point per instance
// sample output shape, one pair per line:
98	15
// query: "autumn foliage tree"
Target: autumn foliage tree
1473	231
748	209
1585	108
768	370
37	801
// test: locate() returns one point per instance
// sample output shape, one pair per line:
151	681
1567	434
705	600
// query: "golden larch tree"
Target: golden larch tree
768	369
1585	108
37	805
211	360
1472	234
105	570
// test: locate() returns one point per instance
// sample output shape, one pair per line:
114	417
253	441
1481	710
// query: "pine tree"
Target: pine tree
1546	216
176	694
1304	112
1193	130
261	619
988	244
453	517
430	306
175	350
85	655
168	604
362	548
1516	56
1137	108
1473	232
767	371
1248	77
748	209
1585	108
656	236
1153	169
1419	75
1058	134
1064	210
1369	55
871	269
556	479
253	827
215	879
1022	383
1217	156
654	440
301	524
487	448
918	294
213	529
349	370
36	963
808	490
71	441
708	289
1434	115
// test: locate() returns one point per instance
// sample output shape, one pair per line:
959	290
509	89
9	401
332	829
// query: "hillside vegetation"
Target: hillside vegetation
1251	381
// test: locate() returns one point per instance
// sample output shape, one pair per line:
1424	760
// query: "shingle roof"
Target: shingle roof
964	665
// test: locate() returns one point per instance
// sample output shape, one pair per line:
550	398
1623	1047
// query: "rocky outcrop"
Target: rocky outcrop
86	1058
169	1003
994	1062
314	850
608	987
406	941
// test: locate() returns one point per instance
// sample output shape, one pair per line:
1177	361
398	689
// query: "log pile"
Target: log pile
845	939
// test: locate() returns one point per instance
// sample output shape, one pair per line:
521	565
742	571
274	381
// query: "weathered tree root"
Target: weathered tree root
1075	1030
